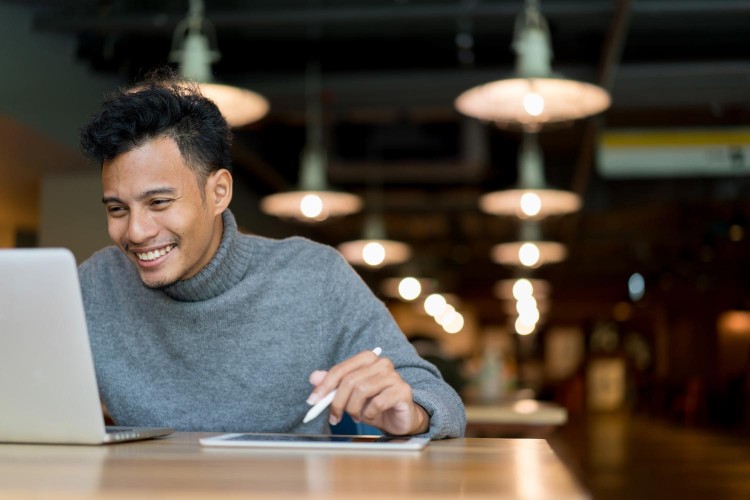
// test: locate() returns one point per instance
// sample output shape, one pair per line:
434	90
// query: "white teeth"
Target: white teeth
155	254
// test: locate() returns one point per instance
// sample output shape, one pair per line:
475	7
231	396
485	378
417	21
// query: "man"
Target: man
198	327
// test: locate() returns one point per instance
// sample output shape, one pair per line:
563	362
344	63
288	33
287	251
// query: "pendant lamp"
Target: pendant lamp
534	96
314	200
407	288
194	49
531	251
375	250
532	198
515	288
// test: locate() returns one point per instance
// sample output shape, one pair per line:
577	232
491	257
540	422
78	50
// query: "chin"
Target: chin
156	282
154	285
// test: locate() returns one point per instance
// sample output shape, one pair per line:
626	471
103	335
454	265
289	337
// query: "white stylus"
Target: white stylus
321	405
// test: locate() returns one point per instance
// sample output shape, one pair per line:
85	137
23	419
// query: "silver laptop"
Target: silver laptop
48	390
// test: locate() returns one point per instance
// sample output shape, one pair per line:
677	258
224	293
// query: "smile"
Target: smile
154	254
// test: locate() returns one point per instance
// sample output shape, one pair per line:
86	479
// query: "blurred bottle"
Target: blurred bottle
491	377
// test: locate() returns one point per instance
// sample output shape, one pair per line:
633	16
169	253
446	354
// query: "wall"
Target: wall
44	85
72	215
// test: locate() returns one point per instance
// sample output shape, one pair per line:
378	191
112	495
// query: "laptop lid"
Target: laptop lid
48	390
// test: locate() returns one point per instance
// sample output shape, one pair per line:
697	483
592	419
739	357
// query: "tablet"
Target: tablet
316	441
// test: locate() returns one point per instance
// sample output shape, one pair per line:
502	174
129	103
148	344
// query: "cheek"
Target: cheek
114	228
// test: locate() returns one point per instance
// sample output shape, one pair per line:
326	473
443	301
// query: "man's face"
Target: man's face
156	214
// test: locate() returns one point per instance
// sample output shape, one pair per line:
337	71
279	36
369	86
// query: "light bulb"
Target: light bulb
524	328
434	304
409	288
533	104
522	288
529	255
456	324
446	315
526	305
531	204
311	206
373	253
529	316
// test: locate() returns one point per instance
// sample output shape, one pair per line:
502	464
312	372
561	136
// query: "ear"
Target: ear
219	190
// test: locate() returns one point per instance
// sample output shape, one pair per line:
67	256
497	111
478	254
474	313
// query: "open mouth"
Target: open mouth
154	254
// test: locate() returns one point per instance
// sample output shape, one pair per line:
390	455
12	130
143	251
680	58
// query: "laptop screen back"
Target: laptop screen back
48	390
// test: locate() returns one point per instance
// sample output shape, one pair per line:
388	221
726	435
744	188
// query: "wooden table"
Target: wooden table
179	467
518	418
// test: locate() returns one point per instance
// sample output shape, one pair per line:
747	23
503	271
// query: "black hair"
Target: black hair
161	106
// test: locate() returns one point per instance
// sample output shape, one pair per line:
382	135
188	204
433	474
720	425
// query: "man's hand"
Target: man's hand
370	390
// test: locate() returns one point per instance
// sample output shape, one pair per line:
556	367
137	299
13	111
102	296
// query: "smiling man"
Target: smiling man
157	213
198	327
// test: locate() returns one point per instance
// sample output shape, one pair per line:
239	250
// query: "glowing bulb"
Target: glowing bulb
526	304
373	253
456	324
524	328
531	204
522	288
529	255
409	288
434	304
446	315
533	103
529	316
311	206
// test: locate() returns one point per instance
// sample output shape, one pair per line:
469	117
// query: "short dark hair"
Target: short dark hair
161	106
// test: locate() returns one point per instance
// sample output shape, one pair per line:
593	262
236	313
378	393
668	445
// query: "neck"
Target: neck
225	269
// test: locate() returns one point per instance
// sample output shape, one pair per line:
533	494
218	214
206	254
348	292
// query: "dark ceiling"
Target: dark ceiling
391	70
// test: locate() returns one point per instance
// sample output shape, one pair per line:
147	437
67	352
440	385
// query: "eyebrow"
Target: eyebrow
144	195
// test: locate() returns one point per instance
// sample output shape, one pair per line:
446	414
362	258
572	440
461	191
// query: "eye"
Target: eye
115	210
161	202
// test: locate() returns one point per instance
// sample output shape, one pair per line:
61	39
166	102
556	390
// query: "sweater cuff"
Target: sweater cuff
447	420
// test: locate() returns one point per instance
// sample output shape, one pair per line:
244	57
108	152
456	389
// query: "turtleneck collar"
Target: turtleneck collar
227	267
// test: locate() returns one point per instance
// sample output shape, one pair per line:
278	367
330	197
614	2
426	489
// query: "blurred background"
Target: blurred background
641	298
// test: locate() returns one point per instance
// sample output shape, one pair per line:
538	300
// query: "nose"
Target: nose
141	227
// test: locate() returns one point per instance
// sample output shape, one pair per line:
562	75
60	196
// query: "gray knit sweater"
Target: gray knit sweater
231	349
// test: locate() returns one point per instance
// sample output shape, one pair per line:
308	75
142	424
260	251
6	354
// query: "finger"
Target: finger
396	397
317	376
361	387
358	387
354	389
333	378
393	411
385	391
366	383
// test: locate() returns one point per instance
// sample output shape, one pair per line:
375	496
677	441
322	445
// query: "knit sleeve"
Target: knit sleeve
361	322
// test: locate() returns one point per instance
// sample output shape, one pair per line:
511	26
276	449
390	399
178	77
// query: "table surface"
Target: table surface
179	467
523	418
523	411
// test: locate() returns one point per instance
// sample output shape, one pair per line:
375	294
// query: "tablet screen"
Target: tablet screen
316	441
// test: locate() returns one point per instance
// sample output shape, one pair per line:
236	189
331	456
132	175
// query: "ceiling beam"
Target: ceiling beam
261	20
